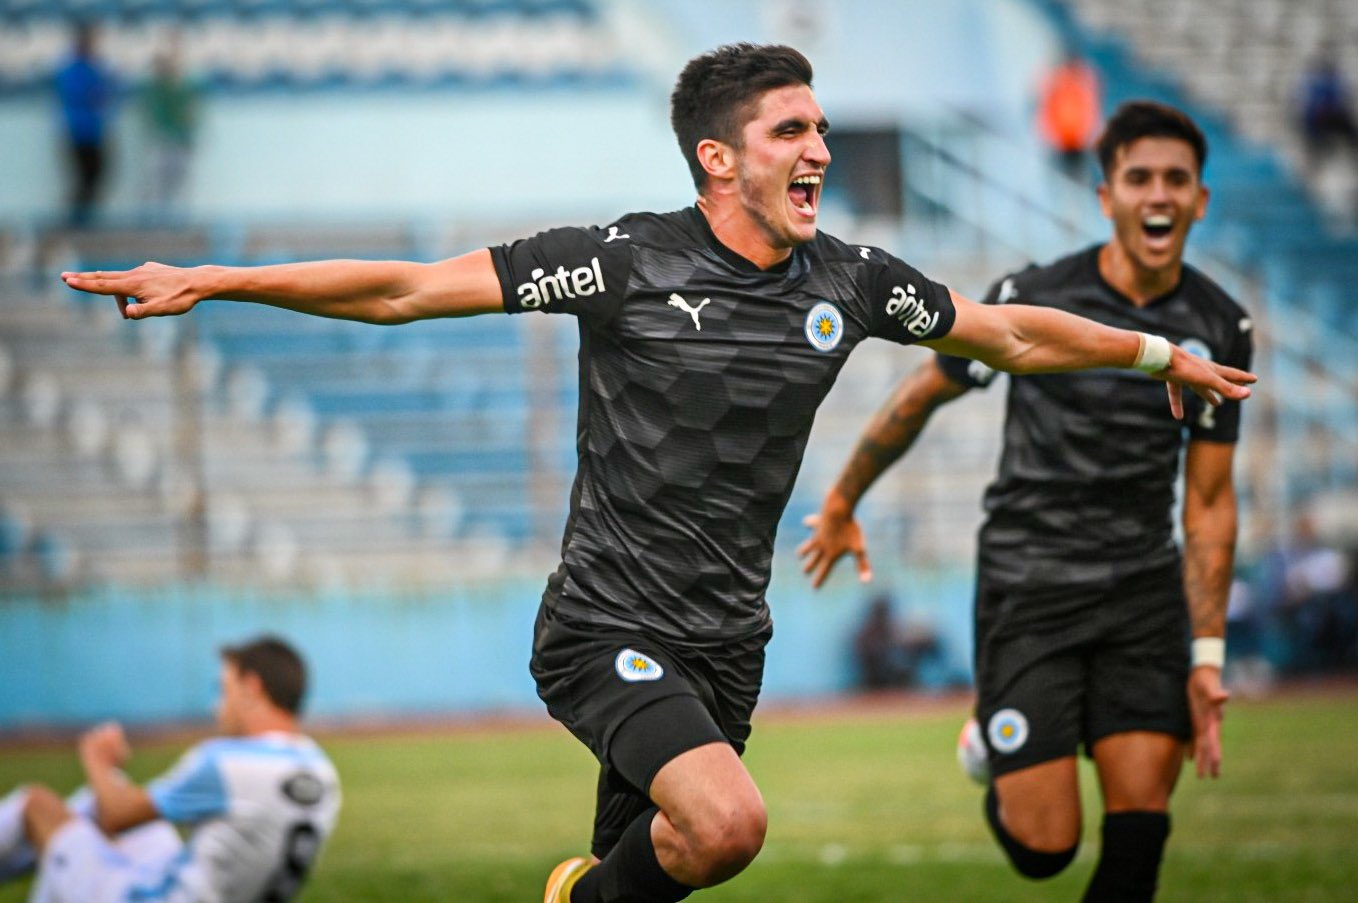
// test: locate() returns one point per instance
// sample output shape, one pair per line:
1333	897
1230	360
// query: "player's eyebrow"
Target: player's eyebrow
1145	171
796	124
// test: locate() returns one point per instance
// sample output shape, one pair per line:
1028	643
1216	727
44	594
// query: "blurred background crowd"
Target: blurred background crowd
380	491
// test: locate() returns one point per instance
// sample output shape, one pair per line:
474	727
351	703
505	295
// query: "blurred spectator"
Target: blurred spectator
1069	108
87	92
1306	604
887	653
1320	611
1327	117
170	106
1330	134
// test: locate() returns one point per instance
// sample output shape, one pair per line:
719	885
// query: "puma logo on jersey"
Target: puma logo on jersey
545	287
863	252
613	234
1008	291
909	308
677	301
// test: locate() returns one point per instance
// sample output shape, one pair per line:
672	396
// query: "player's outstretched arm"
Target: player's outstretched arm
119	804
890	433
370	291
1209	519
1020	338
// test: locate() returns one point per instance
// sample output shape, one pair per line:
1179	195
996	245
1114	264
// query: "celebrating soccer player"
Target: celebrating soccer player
260	802
1084	604
708	337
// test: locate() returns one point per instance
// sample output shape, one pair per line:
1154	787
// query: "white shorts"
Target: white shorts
82	865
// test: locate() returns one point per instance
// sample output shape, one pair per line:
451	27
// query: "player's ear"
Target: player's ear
717	158
253	685
1105	200
1200	209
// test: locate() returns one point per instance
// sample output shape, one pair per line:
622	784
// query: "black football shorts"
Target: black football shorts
637	704
1057	667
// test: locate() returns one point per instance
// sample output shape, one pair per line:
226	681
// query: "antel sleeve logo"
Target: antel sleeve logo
909	308
546	287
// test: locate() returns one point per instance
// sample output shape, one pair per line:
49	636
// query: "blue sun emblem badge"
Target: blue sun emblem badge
1007	730
633	666
824	326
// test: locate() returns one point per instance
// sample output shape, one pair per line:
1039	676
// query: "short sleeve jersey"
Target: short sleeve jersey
1086	479
259	809
700	375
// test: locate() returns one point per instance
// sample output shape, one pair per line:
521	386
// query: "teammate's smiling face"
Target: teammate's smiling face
1153	195
781	164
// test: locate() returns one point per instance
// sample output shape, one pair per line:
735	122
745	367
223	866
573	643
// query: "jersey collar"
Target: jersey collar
1093	256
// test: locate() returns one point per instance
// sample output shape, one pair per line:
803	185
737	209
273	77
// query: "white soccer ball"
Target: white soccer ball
972	754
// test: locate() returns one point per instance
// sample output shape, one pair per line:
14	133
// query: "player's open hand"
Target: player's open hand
105	745
832	535
1206	703
150	290
1209	380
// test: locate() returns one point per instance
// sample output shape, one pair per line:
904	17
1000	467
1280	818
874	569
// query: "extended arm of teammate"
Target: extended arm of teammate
1020	338
370	291
890	433
119	804
1209	518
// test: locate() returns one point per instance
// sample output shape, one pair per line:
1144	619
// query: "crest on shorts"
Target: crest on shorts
1007	730
633	666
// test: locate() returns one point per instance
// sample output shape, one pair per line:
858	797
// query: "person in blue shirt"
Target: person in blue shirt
87	92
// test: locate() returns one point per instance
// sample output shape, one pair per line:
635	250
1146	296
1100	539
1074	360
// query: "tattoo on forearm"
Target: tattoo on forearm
1207	584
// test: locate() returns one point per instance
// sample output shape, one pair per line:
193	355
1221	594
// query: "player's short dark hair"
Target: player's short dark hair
277	665
1138	119
715	92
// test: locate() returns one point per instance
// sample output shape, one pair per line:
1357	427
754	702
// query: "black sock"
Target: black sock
1029	862
1129	863
630	873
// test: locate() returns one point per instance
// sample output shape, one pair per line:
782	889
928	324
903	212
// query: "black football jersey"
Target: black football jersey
700	375
1085	489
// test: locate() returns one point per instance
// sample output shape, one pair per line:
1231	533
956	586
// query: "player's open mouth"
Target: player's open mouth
1157	228
803	193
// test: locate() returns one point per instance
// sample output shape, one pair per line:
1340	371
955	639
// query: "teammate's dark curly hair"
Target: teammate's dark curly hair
715	93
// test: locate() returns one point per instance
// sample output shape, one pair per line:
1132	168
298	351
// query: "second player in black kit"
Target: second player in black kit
1081	620
1085	609
708	337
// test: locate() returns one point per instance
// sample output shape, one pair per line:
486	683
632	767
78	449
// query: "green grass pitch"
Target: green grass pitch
863	807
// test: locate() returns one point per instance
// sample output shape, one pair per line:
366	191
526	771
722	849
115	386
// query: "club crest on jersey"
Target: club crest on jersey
1197	347
304	789
1007	730
824	326
633	666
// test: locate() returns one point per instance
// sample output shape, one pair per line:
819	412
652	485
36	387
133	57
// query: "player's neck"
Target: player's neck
1139	284
734	228
270	722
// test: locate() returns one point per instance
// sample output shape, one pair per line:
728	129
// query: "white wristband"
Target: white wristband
1154	354
1209	650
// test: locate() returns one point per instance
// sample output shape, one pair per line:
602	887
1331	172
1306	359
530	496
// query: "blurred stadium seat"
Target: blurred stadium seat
254	45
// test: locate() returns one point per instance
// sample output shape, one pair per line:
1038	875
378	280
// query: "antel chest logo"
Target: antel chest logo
824	326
